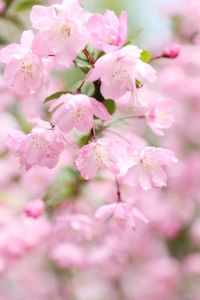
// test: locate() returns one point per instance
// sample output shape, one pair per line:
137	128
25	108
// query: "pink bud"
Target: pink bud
34	209
172	51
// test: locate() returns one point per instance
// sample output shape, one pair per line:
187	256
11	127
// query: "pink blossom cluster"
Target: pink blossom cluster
93	202
59	33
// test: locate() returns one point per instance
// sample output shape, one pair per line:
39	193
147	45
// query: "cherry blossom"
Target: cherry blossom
149	168
159	114
94	156
121	213
108	32
42	146
24	69
119	70
61	31
76	111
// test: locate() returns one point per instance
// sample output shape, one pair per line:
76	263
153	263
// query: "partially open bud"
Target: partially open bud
172	51
35	208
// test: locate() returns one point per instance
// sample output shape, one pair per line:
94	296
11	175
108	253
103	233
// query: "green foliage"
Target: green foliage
110	105
88	88
3	41
55	96
71	77
180	246
82	63
84	140
145	56
66	186
25	5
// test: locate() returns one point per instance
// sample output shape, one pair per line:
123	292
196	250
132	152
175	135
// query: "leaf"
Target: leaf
25	5
55	96
110	105
88	89
3	41
66	186
84	140
83	64
71	77
145	56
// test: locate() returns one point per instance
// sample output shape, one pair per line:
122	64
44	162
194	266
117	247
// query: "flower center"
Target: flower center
79	114
39	144
146	163
65	31
27	70
101	156
120	74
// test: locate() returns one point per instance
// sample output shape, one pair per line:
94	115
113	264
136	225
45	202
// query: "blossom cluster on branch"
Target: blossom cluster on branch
96	206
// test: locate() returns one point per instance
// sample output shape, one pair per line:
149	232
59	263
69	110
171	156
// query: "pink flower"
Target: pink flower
122	214
95	156
149	168
61	31
172	51
108	32
35	208
77	111
42	146
119	70
159	115
24	69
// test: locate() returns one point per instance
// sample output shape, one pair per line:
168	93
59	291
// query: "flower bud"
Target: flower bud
34	209
172	51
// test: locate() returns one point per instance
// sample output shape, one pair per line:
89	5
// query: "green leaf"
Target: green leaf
55	96
66	186
70	77
83	64
3	41
84	140
145	56
25	5
110	105
88	89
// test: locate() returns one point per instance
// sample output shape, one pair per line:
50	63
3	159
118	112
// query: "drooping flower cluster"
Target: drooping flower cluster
60	32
